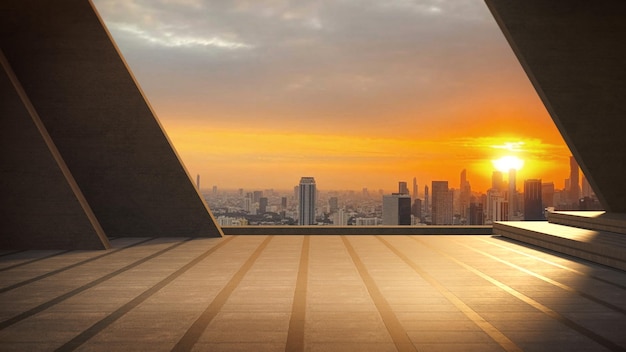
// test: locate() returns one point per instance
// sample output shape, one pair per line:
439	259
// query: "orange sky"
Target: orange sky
256	94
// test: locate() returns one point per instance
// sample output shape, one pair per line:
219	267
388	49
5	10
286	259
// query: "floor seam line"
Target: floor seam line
192	335
495	334
43	306
295	333
394	327
533	303
71	266
94	329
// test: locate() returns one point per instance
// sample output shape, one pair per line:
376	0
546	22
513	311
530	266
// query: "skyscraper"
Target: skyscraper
476	214
497	181
397	209
415	191
262	205
426	201
533	205
465	194
574	181
442	211
512	194
403	188
306	200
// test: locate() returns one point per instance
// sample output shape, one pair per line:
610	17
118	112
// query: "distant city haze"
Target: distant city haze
256	94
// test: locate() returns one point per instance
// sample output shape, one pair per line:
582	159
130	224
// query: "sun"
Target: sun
506	163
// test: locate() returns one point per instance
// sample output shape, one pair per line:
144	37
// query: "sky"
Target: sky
256	94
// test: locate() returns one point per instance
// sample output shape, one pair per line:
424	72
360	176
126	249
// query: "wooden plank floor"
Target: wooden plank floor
310	293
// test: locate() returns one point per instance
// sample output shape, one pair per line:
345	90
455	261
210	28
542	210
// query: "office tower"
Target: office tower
416	208
586	188
533	204
257	196
574	181
415	195
198	181
464	195
307	194
426	201
333	204
497	181
365	192
442	210
214	191
283	203
495	209
262	205
547	194
512	195
240	191
403	188
476	214
397	209
340	218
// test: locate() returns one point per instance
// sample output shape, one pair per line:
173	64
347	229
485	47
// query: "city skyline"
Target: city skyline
270	91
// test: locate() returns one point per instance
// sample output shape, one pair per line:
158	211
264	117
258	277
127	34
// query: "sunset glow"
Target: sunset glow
506	163
258	94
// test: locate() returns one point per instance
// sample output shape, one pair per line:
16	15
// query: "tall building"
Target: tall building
262	205
574	181
306	200
533	204
416	208
497	206
442	210
426	201
415	190
512	194
397	209
547	194
464	195
198	181
333	204
497	181
403	188
476	214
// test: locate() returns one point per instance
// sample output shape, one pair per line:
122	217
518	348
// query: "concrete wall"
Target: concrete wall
40	203
99	120
574	52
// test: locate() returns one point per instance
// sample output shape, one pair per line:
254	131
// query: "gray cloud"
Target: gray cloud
342	62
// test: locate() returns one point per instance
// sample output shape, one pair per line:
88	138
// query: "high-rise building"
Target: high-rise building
533	204
257	196
416	208
442	209
574	181
397	209
497	206
476	214
415	190
307	194
403	188
497	181
198	181
283	203
214	191
262	205
512	194
426	201
333	204
547	194
464	195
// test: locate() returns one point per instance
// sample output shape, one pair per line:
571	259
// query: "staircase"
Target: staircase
592	235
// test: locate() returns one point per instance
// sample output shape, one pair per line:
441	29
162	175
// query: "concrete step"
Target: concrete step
603	247
592	220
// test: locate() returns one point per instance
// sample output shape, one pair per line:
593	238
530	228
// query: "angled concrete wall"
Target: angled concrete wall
574	52
40	203
100	121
